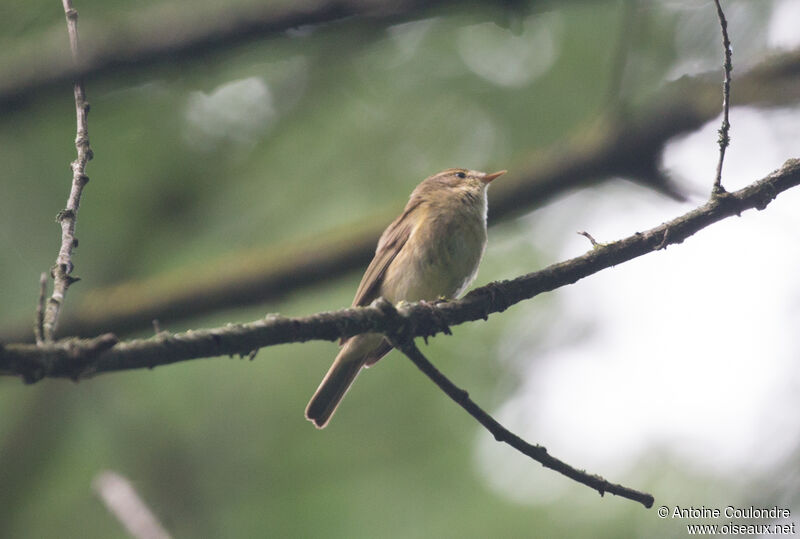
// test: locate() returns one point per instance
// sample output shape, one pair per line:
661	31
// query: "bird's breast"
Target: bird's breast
440	259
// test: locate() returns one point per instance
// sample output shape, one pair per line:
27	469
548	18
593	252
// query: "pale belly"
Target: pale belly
442	265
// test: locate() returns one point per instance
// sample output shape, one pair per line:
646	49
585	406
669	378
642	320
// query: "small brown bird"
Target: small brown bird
431	251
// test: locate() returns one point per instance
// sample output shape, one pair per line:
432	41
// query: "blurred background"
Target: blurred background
241	148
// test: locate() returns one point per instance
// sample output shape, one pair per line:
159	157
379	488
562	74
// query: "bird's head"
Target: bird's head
456	184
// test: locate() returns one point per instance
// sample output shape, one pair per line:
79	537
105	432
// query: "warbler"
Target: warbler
431	251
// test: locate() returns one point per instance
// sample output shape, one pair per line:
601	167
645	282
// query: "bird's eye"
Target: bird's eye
461	175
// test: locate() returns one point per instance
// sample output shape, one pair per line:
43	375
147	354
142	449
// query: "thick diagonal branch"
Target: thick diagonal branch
85	357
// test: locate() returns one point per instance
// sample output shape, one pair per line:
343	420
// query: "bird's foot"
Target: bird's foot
437	319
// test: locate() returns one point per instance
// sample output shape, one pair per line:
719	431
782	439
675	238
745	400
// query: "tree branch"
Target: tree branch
82	358
501	434
158	39
68	217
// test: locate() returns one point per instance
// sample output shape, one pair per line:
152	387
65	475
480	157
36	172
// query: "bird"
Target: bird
430	251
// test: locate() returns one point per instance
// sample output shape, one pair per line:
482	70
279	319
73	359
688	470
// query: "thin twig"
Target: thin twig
589	237
61	272
724	138
86	357
38	324
502	434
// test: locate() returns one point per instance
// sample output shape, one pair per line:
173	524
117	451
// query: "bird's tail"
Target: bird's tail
332	390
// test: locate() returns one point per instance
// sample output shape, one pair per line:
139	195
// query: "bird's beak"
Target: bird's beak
489	177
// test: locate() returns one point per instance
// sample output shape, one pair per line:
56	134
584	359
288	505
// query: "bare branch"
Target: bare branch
61	272
724	138
86	357
501	434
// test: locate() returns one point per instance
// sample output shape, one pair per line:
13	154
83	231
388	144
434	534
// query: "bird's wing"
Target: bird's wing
392	241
